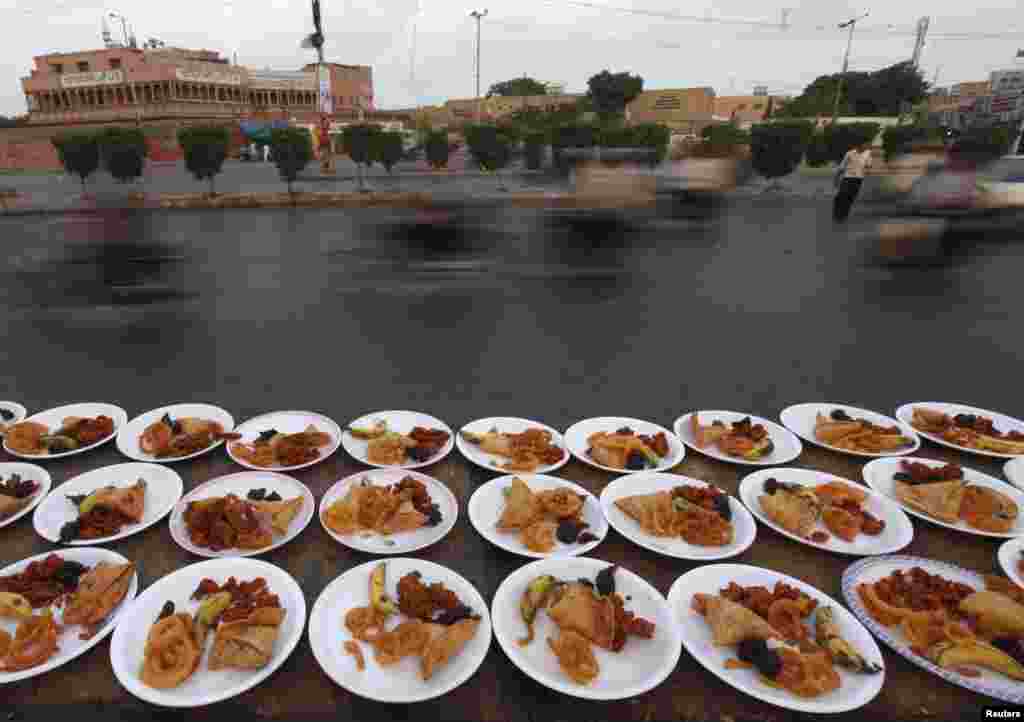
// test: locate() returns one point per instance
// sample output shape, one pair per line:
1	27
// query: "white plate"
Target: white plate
855	691
1014	472
69	645
401	422
800	420
129	435
403	543
508	425
53	418
898	530
872	569
577	434
787	445
488	501
1002	422
1009	554
163	489
205	686
287	422
744	528
15	408
27	471
240	485
878	474
641	666
402	682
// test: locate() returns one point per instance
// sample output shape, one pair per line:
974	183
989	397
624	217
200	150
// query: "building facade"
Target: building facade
745	110
122	84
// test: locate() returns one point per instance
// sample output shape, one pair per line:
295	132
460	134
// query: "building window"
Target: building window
115	63
83	67
57	68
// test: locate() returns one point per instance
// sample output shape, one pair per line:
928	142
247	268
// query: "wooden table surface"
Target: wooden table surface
299	689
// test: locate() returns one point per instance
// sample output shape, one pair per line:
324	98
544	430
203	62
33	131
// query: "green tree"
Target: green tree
518	87
123	151
437	149
205	148
721	140
876	93
360	142
841	137
654	136
390	150
610	93
533	150
817	150
292	149
79	153
490	148
899	139
777	148
578	135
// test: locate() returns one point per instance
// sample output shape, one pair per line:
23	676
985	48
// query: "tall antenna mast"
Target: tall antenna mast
922	31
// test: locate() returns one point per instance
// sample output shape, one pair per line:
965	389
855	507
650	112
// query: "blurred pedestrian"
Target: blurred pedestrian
849	178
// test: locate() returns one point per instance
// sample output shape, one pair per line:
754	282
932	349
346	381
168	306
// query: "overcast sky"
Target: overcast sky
555	40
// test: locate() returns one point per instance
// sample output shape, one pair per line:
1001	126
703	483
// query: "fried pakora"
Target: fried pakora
526	451
273	448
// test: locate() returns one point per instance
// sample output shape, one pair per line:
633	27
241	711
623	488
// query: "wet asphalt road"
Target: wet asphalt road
335	311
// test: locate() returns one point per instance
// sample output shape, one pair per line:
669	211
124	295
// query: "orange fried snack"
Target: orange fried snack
575	656
540	536
806	674
34	642
26	437
353	648
365	623
172	652
407	639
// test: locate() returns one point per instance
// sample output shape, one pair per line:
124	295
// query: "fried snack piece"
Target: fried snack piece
172	652
522	507
835	492
354	649
828	635
34	642
662	514
445	643
389	449
995	615
14	606
575	656
247	643
128	501
796	513
26	437
407	639
941	500
281	513
579	610
365	623
807	674
988	510
99	591
730	622
9	505
561	503
5	644
841	522
539	537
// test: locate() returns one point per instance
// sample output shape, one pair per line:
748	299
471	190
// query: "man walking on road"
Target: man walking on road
851	170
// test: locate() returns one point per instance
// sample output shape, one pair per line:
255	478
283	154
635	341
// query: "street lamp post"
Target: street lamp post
851	23
316	40
478	16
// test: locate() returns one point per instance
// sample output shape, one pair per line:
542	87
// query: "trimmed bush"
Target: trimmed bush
205	148
437	149
79	153
533	150
841	137
899	139
361	143
777	148
490	148
123	151
390	149
293	150
817	153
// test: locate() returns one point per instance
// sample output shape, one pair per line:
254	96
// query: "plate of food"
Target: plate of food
241	515
738	438
253	611
961	626
950	495
64	431
400	631
285	441
826	511
22	487
678	516
776	638
388	511
622	445
404	439
966	428
176	432
1011	559
850	430
505	444
11	412
57	606
586	628
107	504
537	516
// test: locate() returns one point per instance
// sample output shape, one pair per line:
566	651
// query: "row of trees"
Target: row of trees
881	92
121	151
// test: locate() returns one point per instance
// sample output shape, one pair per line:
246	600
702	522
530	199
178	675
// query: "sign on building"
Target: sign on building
326	102
101	77
215	77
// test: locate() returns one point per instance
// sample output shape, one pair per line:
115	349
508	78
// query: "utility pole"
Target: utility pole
922	31
851	23
478	16
316	41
